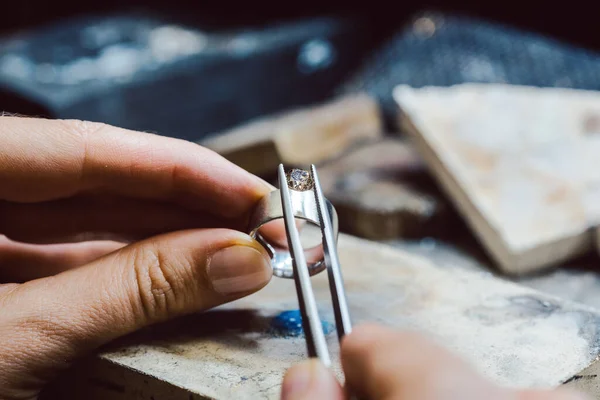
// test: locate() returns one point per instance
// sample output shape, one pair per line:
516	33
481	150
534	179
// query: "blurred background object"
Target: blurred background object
153	74
191	70
435	49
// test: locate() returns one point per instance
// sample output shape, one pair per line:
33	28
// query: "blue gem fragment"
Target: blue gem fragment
289	324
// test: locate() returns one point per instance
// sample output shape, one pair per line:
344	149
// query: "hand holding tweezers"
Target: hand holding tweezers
313	330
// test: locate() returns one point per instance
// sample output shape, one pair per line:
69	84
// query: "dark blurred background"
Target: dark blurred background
574	21
250	59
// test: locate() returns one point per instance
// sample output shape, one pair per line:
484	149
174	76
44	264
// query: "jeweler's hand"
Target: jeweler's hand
380	363
110	231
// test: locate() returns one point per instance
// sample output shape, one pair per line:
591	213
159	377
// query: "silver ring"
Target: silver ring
304	205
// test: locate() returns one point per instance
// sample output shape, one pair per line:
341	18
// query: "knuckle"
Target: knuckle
160	282
82	128
81	133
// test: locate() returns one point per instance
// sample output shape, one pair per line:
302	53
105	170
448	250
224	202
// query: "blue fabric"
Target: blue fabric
461	49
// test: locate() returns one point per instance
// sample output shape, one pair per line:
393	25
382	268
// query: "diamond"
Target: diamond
299	179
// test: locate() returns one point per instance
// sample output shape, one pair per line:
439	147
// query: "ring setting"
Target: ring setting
301	185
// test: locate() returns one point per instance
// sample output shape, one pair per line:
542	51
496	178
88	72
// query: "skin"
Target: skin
104	231
380	363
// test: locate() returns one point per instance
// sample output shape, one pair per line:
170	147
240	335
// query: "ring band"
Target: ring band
304	206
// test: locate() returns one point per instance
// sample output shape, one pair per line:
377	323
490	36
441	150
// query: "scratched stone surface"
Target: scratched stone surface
520	164
577	281
514	335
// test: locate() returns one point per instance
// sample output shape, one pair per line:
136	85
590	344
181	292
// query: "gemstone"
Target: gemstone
299	179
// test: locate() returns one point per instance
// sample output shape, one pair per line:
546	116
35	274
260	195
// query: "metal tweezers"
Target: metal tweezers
311	322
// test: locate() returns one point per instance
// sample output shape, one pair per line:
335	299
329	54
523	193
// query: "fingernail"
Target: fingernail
308	380
239	269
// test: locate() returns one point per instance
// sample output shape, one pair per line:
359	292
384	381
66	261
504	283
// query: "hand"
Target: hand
380	363
106	231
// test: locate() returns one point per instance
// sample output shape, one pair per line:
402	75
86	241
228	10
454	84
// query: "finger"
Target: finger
51	159
383	364
99	217
275	233
310	380
21	262
52	321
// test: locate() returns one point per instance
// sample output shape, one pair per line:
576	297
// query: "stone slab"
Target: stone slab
516	336
520	163
301	136
382	190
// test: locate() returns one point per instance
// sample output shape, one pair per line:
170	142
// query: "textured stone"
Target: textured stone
520	163
301	136
382	190
516	336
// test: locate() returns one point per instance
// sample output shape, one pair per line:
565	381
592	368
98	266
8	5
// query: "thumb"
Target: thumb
59	318
310	380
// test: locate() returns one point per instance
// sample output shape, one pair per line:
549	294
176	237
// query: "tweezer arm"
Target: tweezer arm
336	282
311	322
